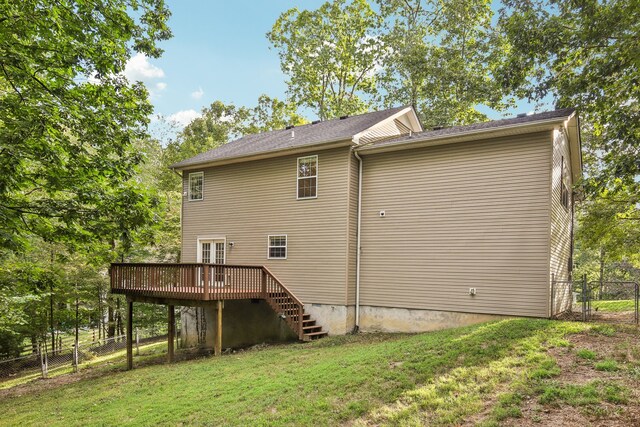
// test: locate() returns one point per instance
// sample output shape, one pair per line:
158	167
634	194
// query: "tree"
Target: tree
330	56
443	59
220	123
608	235
68	117
583	54
271	114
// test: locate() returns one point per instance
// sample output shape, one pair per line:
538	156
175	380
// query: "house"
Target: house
454	225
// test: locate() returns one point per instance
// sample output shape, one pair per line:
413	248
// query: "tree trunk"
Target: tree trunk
601	272
119	327
100	314
53	329
111	328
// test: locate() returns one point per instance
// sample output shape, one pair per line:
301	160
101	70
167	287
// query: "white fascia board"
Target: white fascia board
413	119
572	127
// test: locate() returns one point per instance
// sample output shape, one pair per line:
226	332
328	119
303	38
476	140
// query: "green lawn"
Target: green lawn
438	378
611	306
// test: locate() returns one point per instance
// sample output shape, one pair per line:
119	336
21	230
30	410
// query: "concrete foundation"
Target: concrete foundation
384	319
335	319
247	322
244	323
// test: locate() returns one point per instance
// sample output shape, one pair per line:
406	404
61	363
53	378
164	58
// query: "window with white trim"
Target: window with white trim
277	247
307	177
196	186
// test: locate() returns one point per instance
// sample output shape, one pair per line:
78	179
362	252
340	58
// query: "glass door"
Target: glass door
219	260
213	252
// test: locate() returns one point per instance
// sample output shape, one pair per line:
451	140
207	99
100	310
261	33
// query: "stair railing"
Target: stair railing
274	292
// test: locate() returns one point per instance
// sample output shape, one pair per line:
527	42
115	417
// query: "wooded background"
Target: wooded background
83	184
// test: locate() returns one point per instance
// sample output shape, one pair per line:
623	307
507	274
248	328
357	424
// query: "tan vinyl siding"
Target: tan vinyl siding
246	202
560	216
459	216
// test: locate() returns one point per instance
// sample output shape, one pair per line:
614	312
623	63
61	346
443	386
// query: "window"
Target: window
307	177
196	184
206	252
564	189
277	247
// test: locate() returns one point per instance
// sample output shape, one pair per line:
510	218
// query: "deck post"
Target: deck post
206	281
129	334
300	323
217	349
171	332
264	284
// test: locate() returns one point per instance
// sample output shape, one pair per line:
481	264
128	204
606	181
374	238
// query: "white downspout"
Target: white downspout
357	326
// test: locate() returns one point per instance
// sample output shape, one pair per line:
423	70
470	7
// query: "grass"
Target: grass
438	378
592	393
583	353
613	306
607	365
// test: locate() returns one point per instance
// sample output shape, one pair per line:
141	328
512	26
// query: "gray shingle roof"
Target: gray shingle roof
305	135
461	130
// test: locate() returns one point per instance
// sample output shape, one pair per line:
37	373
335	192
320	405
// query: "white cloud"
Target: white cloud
197	94
161	86
184	117
139	68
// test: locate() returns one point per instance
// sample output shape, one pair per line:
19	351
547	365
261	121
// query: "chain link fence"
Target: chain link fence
42	359
606	301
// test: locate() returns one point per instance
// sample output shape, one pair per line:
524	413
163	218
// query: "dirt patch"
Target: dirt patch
624	347
619	317
569	416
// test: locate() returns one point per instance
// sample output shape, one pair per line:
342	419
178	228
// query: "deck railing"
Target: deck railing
207	282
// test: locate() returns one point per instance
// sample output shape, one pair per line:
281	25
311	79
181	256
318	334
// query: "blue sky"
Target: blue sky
219	52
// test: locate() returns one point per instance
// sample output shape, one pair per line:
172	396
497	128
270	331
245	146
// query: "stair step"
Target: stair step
304	317
312	336
308	322
311	328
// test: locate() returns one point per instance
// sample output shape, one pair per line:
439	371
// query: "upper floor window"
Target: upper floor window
196	185
564	188
307	177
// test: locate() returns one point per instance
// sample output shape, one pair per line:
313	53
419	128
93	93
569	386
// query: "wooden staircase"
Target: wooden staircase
283	302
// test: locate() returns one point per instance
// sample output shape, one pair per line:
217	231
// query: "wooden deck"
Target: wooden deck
197	282
201	282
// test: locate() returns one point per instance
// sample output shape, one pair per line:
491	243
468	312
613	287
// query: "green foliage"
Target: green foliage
330	56
271	114
66	159
584	54
442	60
71	197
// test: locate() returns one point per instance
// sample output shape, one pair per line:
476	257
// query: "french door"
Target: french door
213	252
